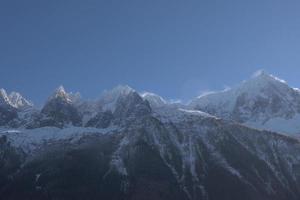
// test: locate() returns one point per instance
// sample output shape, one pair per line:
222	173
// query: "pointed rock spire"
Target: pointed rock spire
60	93
4	99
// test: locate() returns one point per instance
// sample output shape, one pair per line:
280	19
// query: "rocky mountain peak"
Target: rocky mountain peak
256	101
116	92
14	99
109	98
60	93
60	110
262	80
18	101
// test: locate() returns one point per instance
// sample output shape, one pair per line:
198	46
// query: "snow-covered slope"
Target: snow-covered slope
30	140
264	101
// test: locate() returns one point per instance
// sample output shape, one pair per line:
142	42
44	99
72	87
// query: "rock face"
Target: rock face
264	102
7	115
8	112
119	107
101	120
131	106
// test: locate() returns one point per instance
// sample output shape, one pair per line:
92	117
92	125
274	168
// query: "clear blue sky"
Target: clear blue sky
174	48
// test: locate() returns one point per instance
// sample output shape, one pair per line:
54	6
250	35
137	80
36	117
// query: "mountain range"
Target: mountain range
241	143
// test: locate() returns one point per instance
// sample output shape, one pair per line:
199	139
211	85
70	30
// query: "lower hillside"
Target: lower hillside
180	155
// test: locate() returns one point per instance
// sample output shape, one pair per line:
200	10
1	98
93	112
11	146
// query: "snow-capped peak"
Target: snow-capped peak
263	75
14	99
259	100
109	98
18	101
154	99
60	93
262	84
260	72
261	80
119	90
